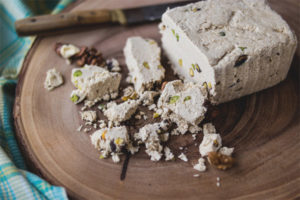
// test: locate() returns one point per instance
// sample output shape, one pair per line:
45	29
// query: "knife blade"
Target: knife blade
49	23
149	13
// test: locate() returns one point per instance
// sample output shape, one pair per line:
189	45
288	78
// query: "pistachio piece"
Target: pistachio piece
155	115
243	48
193	65
209	85
173	99
74	98
146	65
124	98
160	67
197	68
187	98
191	72
177	37
152	42
173	31
196	9
119	141
180	62
77	73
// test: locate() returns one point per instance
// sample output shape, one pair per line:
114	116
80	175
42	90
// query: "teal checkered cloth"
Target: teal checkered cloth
15	181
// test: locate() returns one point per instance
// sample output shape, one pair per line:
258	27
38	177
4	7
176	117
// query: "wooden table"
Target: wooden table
264	128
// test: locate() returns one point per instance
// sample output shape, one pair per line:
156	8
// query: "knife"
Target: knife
46	23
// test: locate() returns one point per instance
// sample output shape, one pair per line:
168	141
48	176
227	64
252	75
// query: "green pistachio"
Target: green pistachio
173	99
74	98
243	48
77	73
187	98
146	65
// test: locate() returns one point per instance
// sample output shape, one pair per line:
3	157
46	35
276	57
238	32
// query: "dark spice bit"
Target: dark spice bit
239	89
240	60
222	33
232	85
112	146
109	65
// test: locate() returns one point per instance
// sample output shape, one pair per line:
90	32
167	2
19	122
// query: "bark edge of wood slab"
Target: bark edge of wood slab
263	127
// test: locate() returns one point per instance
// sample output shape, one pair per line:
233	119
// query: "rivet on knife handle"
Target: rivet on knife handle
44	23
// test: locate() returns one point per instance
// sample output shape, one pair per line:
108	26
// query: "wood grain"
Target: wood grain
263	127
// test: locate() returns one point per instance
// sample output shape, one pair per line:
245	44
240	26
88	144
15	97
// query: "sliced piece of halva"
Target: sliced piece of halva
53	79
121	112
110	140
94	82
143	61
227	47
185	100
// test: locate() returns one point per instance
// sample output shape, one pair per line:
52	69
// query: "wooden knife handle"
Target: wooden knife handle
44	23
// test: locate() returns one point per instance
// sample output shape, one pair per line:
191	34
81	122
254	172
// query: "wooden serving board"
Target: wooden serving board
264	128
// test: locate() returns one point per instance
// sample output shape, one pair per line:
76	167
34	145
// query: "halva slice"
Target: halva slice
143	61
233	47
94	83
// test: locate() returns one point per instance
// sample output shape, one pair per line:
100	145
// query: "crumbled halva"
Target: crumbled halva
121	112
209	128
113	65
132	149
211	142
110	140
115	157
168	154
149	135
226	46
53	79
68	50
200	166
226	151
185	100
183	157
143	61
94	83
89	116
147	97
